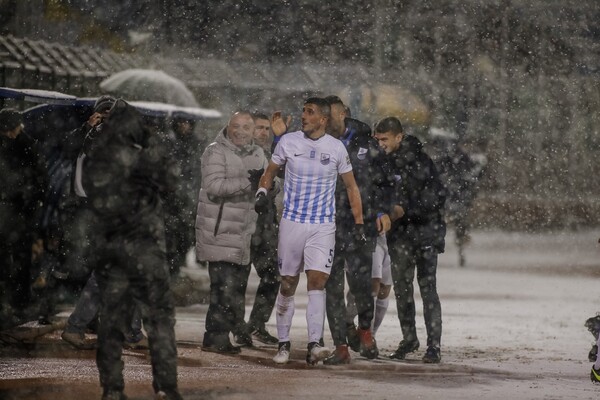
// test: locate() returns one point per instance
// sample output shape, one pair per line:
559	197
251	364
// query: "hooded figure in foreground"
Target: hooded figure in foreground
124	171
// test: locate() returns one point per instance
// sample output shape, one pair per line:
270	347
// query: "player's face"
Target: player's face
262	132
240	129
336	124
312	119
388	141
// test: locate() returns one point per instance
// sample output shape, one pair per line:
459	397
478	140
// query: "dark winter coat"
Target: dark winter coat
460	174
421	194
267	224
126	171
23	186
61	201
186	151
374	179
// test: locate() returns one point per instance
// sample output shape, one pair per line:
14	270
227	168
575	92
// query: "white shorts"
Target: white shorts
305	247
382	265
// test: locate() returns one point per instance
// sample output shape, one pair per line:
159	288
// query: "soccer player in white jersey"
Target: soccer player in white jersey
313	160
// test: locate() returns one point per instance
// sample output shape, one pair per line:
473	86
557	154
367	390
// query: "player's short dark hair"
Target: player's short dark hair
321	103
259	115
389	124
334	100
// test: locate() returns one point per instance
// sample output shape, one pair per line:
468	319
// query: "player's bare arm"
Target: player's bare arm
266	180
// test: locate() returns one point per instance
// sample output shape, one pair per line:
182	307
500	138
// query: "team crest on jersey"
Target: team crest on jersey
325	158
362	153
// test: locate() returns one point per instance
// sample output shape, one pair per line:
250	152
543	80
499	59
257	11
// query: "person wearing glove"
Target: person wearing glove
313	161
225	223
263	247
354	252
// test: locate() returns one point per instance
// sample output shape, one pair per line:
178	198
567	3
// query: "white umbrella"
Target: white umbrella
148	85
37	96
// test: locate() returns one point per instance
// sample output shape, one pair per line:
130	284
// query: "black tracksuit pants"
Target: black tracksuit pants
135	271
406	258
359	265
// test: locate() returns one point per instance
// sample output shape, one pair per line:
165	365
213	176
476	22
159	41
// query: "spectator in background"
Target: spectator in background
23	183
416	237
180	206
263	249
460	172
225	223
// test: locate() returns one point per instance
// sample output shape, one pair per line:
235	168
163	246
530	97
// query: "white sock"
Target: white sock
315	314
381	306
284	312
597	363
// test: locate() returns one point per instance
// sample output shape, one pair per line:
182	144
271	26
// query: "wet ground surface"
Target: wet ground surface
511	330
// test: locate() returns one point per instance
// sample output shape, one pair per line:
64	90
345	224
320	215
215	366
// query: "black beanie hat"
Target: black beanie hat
10	119
104	103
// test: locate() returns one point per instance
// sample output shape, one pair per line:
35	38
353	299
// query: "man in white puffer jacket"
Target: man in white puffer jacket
225	223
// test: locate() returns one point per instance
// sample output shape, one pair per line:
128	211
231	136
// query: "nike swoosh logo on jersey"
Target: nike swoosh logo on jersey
296	155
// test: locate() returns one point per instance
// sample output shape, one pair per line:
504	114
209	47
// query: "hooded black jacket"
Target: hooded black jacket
126	172
374	179
420	192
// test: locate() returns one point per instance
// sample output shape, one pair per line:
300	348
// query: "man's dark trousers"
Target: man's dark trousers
405	259
135	271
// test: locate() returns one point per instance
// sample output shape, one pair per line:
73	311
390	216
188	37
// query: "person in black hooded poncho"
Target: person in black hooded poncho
124	170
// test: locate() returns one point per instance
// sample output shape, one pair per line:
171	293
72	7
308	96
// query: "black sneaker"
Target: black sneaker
404	348
224	349
263	336
113	395
432	355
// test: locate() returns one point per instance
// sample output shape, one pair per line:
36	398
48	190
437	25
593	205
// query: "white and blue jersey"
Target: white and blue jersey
311	171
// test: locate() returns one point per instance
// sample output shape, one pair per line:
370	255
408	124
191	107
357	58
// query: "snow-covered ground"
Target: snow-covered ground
512	329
